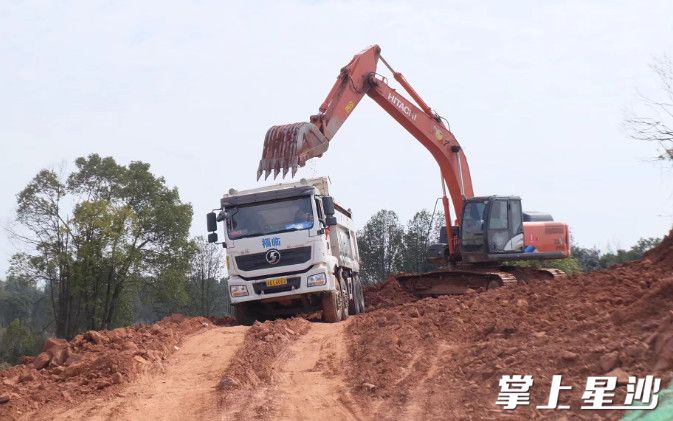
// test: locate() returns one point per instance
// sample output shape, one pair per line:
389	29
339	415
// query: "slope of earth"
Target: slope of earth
92	363
442	358
183	387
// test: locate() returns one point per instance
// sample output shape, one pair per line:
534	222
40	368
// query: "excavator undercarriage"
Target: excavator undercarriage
463	279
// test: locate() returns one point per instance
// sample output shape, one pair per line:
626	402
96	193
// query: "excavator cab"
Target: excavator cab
491	229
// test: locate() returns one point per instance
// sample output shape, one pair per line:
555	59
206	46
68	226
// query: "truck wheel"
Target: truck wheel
353	304
243	314
360	296
330	306
344	299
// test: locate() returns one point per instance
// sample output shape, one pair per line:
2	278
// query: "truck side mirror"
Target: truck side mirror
212	237
211	221
328	206
330	221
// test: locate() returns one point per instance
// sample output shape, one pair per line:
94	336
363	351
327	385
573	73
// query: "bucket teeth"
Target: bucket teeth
288	147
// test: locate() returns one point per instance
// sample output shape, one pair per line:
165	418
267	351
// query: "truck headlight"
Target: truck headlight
317	280
238	290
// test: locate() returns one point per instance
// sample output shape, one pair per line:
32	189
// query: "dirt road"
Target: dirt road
185	388
306	380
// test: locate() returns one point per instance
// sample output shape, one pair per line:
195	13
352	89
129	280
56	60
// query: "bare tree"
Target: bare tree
657	125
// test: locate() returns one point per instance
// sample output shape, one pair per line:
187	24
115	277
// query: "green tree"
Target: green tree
589	259
19	340
380	245
421	231
19	299
634	253
592	259
126	226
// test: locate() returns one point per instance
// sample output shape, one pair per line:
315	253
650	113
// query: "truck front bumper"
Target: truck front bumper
278	287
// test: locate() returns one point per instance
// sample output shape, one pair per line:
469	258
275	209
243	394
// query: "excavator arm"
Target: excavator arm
288	147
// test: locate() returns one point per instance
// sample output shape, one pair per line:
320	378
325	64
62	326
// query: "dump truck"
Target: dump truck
290	249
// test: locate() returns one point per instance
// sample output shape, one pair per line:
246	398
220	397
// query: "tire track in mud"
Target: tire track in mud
419	404
306	381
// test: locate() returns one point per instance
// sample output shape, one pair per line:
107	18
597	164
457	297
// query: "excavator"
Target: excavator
489	232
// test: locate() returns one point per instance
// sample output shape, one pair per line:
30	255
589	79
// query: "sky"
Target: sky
535	92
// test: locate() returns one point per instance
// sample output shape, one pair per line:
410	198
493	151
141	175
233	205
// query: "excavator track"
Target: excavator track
530	274
454	282
461	281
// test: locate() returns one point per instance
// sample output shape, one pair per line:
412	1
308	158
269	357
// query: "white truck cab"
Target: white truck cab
290	249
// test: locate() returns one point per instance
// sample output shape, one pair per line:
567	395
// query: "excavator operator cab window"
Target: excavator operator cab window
505	226
492	225
472	227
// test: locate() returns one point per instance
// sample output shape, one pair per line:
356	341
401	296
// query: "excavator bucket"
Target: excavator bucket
288	147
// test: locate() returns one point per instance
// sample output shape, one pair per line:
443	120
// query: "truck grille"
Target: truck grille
288	257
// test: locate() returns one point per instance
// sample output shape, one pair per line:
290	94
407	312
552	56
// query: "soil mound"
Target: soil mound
68	370
410	353
386	294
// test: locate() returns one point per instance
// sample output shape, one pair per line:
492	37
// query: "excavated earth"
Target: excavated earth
438	358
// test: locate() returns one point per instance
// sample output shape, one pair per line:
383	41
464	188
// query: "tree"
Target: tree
634	253
421	231
657	126
380	245
126	226
207	270
19	340
588	259
592	259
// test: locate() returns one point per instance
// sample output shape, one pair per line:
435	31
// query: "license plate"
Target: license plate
276	282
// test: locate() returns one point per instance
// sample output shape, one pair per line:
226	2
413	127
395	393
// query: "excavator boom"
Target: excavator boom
288	147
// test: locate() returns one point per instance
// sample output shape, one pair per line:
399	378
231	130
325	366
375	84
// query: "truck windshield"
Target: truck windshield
270	217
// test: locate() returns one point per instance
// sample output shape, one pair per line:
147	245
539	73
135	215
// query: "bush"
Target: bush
569	265
19	340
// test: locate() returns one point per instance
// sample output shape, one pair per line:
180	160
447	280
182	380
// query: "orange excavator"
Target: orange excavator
488	231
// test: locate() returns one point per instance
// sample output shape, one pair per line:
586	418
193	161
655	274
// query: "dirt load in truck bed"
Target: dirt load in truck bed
435	358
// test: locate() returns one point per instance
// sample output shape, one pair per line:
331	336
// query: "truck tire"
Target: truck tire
330	307
344	299
360	295
243	314
353	304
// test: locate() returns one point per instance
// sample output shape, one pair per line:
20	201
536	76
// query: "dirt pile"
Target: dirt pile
442	358
386	294
91	362
254	362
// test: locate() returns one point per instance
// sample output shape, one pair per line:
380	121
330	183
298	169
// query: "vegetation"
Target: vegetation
590	259
386	247
107	246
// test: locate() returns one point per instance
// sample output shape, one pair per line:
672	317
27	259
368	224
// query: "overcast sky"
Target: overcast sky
535	92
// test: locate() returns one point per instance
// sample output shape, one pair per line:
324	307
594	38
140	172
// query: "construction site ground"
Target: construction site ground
436	358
